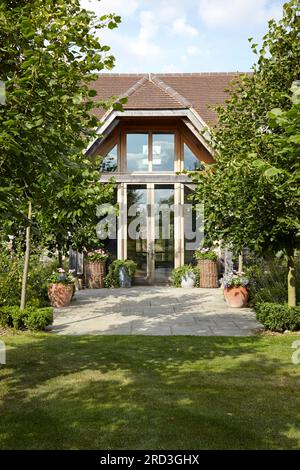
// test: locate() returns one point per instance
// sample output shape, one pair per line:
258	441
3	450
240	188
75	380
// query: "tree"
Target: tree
71	217
284	174
50	54
243	207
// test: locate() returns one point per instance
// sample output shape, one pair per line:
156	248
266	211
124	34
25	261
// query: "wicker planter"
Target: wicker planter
208	273
94	273
60	294
236	297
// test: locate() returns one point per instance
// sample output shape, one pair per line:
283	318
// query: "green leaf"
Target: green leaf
272	172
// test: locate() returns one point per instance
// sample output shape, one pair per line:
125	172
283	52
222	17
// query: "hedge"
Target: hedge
35	319
278	317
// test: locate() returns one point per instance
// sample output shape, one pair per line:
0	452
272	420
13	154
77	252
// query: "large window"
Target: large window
191	162
110	162
150	152
163	152
137	152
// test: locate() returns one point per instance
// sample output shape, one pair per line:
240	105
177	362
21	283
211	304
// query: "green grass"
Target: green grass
122	392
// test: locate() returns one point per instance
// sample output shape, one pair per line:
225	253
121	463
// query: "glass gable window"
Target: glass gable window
110	162
191	162
163	152
137	152
139	158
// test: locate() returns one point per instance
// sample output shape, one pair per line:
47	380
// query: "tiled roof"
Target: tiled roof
167	91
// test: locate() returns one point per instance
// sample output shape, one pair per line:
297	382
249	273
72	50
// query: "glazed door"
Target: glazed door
137	230
163	218
150	232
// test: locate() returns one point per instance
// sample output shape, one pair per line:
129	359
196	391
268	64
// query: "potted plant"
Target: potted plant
235	289
61	287
120	273
208	266
184	276
95	268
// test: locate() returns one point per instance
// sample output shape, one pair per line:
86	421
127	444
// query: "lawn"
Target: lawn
121	392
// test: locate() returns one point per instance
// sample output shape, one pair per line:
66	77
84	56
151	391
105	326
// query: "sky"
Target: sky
169	36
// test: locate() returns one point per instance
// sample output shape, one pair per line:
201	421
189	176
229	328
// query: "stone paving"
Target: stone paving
153	310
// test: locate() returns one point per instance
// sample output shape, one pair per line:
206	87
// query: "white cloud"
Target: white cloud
144	46
171	9
138	49
148	26
181	27
171	68
120	7
193	51
237	13
141	50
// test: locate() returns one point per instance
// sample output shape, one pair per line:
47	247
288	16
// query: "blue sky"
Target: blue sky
185	36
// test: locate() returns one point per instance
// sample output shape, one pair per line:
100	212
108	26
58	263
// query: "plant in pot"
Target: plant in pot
208	266
95	268
61	287
236	289
184	276
120	273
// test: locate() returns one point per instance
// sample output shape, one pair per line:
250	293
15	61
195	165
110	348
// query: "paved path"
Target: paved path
153	311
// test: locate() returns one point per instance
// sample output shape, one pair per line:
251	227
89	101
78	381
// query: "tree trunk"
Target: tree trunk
26	261
291	279
241	262
60	259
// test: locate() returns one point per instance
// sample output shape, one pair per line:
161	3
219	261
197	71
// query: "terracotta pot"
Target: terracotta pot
208	273
236	297
94	273
60	294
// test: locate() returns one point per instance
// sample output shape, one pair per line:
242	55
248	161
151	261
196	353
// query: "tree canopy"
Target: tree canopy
251	193
50	54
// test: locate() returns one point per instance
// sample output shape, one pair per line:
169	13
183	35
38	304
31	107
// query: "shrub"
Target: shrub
38	319
112	278
278	317
178	273
6	317
13	316
269	281
32	318
11	267
19	318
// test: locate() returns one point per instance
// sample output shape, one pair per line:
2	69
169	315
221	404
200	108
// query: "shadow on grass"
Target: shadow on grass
122	392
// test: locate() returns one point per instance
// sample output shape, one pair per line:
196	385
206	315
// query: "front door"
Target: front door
150	231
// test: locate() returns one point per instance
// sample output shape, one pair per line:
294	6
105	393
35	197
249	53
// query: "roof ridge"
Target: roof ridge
172	74
151	78
170	91
133	88
200	74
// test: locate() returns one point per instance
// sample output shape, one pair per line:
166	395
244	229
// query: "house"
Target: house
146	148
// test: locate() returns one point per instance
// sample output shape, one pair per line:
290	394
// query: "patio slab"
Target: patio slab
153	310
